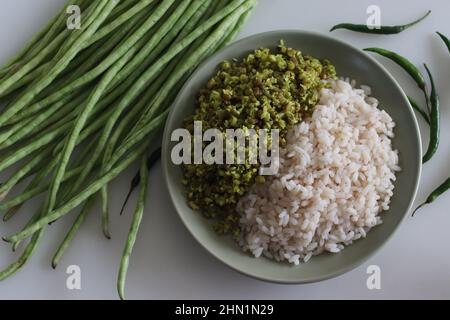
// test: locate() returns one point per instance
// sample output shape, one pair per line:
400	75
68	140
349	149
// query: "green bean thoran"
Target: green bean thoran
269	81
434	120
382	30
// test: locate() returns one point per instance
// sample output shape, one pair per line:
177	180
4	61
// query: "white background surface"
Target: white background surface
168	264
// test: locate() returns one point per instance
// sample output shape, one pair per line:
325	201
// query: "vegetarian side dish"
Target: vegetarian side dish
268	90
336	163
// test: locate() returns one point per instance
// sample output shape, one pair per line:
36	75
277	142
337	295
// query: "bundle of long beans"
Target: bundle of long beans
81	106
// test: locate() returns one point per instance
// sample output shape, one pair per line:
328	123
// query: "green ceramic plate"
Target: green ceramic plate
350	62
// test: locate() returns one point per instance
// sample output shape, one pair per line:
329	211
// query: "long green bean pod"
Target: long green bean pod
75	201
134	228
116	23
78	126
129	44
72	232
41	38
28	252
59	65
23	70
36	158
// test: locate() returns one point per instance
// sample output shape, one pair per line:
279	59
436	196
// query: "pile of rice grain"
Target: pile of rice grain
336	176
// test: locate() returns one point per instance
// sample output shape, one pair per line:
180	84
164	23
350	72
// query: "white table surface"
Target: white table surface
167	262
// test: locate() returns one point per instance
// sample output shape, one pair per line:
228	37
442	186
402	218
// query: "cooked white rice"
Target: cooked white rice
336	176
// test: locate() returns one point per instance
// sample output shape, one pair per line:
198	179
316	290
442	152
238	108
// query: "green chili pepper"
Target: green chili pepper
419	109
445	39
403	62
364	28
408	66
444	187
434	119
